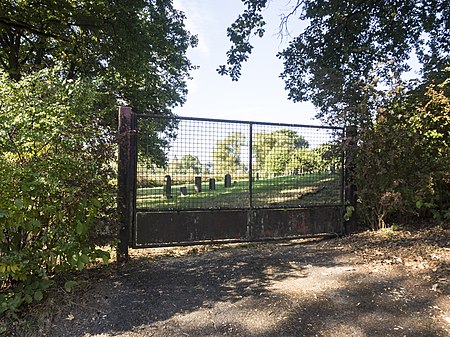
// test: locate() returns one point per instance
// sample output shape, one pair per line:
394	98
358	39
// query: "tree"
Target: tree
272	150
351	52
188	164
133	51
349	62
64	67
303	160
191	163
227	154
403	163
138	47
57	183
329	157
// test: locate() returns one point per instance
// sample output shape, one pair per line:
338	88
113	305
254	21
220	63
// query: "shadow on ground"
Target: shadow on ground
311	289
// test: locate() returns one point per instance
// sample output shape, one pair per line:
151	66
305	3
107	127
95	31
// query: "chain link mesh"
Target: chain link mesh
216	164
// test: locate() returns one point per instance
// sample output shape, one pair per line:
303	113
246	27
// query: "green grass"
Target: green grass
290	191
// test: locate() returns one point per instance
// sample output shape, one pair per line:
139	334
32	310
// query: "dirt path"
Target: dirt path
358	286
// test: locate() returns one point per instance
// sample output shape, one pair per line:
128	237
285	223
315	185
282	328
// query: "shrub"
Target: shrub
403	161
55	182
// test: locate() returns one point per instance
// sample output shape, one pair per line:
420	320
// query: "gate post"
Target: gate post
350	187
125	179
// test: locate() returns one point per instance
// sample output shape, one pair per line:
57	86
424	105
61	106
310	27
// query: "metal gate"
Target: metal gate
195	180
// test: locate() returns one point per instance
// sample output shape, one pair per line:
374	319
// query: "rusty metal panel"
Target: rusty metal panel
165	228
270	223
192	226
171	205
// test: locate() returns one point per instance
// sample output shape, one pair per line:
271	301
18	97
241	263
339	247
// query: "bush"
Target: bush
55	183
403	161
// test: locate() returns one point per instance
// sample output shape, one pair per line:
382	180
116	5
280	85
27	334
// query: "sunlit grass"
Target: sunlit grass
292	191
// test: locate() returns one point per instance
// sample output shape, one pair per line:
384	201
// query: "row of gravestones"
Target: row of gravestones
197	184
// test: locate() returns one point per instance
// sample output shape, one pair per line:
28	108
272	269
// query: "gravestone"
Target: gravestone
198	184
227	180
212	184
168	186
183	190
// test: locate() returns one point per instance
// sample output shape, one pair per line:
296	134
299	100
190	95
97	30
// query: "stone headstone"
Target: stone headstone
212	184
183	190
227	180
168	186
198	184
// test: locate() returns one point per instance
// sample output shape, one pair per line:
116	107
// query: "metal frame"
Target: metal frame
253	232
250	175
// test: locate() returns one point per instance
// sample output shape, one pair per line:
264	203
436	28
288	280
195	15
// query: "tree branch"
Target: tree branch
283	27
6	23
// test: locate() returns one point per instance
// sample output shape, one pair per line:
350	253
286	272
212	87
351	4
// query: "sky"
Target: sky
259	95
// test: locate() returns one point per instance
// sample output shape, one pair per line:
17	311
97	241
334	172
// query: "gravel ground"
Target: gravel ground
369	284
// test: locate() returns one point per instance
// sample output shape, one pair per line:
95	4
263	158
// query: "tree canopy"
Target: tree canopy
349	62
188	164
133	50
351	52
227	154
65	66
272	150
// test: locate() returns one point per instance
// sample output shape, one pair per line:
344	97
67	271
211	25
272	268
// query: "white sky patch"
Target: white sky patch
259	95
196	22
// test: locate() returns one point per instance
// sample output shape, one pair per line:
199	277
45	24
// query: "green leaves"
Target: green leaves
187	164
276	151
81	228
27	292
247	24
38	296
402	166
18	203
226	154
127	51
351	53
56	180
349	210
70	285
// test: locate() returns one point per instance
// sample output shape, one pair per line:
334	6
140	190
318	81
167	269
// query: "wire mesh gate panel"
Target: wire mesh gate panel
235	180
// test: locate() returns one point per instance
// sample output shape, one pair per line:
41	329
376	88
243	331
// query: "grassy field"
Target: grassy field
292	191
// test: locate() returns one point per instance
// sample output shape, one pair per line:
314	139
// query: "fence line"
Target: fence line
228	164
